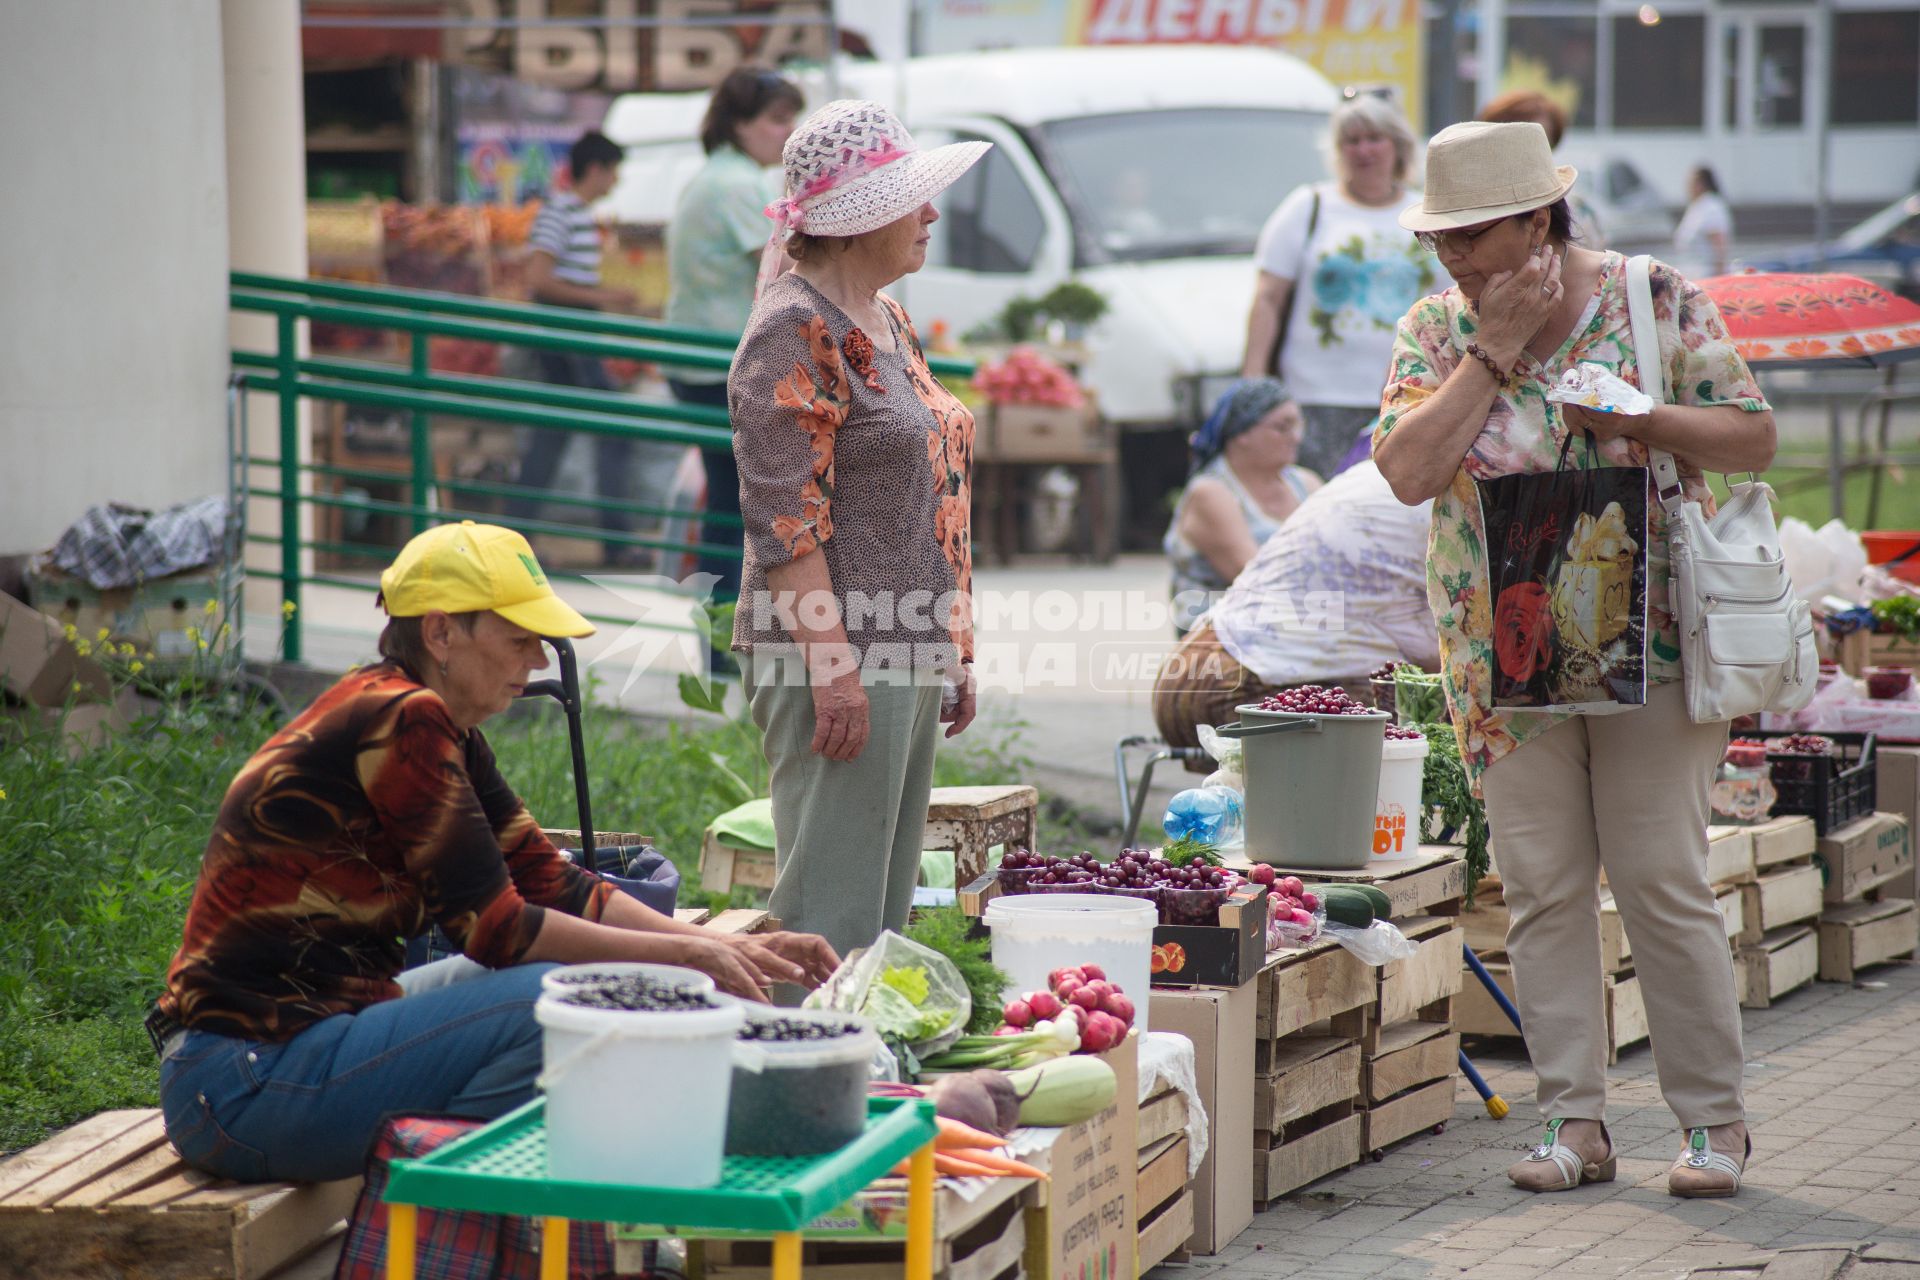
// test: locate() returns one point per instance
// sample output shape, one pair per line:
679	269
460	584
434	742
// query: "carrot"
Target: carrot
1004	1165
959	1166
957	1136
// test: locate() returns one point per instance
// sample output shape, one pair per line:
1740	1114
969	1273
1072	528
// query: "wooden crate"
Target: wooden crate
1865	855
1163	1233
1305	1074
1421	1108
1410	1054
1729	855
1730	901
1860	934
1423	986
1160	1117
981	1240
1782	840
1306	1150
1478	1015
1312	984
110	1197
1784	960
1784	895
1616	952
1430	882
1162	1175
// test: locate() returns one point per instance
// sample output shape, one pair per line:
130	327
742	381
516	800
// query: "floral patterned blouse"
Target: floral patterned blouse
860	455
1524	433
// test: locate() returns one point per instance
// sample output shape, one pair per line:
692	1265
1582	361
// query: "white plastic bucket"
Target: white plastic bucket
1396	816
570	976
803	1097
1034	934
637	1097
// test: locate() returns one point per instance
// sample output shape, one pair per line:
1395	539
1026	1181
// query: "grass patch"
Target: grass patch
98	858
1801	481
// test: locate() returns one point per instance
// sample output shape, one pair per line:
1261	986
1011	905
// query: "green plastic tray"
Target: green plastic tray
502	1168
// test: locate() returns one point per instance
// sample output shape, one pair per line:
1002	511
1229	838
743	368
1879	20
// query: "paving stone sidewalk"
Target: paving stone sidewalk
1833	1098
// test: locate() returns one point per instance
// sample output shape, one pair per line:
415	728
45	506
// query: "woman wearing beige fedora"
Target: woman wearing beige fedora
855	612
1568	795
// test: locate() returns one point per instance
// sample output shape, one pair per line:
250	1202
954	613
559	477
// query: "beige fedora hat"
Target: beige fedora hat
1477	172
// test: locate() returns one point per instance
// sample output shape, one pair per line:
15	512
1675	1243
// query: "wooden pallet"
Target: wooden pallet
1299	988
1306	1150
1785	894
1305	1074
110	1197
1860	934
1784	960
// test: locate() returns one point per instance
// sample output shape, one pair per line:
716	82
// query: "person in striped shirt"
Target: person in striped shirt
564	270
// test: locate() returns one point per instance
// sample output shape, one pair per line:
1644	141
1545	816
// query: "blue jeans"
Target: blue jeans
462	1041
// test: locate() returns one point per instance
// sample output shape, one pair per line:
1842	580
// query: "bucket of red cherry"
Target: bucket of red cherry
1312	766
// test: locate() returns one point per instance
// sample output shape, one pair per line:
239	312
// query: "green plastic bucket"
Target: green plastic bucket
1312	786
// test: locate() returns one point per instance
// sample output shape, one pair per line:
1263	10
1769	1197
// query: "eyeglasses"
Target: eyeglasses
1461	239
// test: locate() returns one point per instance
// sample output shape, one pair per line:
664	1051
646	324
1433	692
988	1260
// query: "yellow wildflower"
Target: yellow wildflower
3	793
213	606
82	648
72	632
78	687
136	668
288	608
193	635
226	629
102	635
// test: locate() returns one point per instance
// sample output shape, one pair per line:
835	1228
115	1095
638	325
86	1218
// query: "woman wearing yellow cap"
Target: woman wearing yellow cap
287	1029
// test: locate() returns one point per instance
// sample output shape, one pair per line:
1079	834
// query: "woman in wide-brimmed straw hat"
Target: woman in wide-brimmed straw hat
1568	795
855	487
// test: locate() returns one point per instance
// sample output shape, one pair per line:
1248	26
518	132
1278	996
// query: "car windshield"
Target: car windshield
1147	184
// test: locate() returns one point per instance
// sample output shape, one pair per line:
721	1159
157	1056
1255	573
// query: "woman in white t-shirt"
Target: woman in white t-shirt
1337	271
1705	233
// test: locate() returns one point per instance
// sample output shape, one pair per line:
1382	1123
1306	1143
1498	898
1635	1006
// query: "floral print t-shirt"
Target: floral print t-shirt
1354	276
861	455
1524	434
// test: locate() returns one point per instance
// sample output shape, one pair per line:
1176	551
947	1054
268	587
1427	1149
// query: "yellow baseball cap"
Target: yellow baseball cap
467	567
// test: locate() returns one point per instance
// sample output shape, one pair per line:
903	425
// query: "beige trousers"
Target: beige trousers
1626	792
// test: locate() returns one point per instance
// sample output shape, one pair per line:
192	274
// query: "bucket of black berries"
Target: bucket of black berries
1312	765
799	1082
607	1044
572	977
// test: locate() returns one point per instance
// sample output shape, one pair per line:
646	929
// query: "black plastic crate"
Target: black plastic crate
1832	790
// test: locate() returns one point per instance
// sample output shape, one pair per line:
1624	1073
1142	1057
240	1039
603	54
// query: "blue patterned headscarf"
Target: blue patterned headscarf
1239	410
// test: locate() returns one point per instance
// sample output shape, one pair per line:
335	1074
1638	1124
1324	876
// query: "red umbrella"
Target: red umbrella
1815	321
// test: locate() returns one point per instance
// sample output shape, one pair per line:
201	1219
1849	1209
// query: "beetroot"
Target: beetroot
968	1100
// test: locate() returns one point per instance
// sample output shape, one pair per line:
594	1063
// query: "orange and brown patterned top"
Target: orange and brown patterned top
348	832
861	454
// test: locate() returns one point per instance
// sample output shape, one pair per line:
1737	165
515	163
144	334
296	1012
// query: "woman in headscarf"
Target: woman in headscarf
1243	483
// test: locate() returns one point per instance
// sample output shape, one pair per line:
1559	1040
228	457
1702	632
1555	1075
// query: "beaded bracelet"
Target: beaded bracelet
1479	353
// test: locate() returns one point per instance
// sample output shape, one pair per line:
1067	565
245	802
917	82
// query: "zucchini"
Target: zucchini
1064	1091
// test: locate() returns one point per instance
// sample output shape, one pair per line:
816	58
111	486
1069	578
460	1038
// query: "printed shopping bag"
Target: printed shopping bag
1567	574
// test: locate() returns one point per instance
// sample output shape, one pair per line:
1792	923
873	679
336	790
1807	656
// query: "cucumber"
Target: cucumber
1377	901
1343	906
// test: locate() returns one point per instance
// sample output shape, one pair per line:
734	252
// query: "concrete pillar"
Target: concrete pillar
267	223
113	330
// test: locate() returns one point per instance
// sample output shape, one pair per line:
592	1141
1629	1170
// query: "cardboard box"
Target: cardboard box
1085	1219
156	616
37	663
1865	855
1898	783
1219	1021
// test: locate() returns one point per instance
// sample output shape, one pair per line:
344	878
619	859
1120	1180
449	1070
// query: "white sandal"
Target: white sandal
1698	1155
1572	1168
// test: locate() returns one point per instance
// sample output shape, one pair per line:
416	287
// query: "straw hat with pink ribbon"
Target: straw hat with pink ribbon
852	167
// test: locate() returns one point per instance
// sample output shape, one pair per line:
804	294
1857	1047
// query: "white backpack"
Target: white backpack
1746	641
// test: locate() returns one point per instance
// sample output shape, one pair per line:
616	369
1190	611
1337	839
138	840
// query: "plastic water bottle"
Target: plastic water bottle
1215	815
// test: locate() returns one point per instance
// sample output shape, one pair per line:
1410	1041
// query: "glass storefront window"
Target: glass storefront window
1656	72
1876	67
1780	77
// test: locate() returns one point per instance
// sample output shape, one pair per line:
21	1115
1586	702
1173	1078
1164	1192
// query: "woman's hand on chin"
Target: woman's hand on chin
1515	304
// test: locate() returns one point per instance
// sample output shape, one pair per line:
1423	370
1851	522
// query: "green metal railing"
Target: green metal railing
421	392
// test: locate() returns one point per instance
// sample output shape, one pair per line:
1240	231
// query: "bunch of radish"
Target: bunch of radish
1287	898
1027	377
1080	992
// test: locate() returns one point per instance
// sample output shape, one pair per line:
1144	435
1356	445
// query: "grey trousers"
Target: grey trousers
847	835
1625	792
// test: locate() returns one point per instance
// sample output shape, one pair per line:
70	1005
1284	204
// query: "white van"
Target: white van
1146	173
